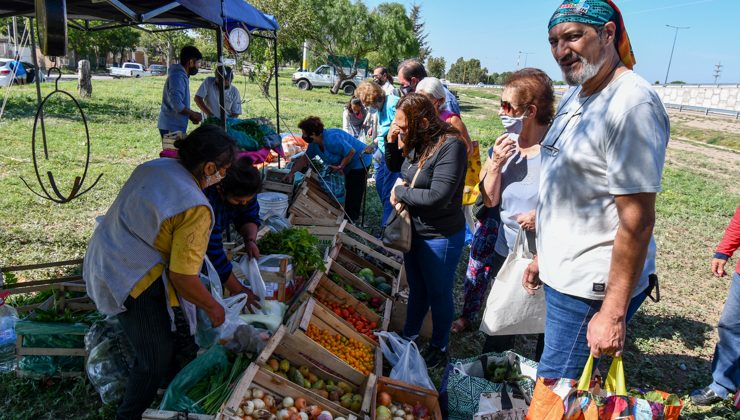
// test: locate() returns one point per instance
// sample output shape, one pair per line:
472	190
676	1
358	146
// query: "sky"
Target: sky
495	31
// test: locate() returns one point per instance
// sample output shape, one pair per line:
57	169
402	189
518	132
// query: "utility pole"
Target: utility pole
519	57
304	63
717	72
677	28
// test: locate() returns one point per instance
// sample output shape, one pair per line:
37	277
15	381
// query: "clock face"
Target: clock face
239	39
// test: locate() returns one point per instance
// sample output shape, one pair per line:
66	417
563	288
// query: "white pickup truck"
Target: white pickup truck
326	76
129	70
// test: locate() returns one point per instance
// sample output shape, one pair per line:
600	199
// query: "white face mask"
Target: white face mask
513	125
213	179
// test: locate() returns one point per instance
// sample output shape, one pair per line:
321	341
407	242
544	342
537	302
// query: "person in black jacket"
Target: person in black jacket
419	141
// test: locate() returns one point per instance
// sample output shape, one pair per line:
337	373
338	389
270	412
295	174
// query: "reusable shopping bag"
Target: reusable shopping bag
509	308
465	380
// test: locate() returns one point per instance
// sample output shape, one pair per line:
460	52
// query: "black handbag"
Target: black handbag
398	231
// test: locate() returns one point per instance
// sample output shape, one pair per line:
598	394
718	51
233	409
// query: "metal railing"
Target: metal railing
704	110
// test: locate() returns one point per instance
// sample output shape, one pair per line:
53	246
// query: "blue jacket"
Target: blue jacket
337	144
223	215
386	114
175	98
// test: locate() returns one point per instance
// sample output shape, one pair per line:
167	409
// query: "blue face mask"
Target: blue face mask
513	125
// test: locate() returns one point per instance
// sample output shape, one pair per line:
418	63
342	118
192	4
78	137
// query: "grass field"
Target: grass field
670	343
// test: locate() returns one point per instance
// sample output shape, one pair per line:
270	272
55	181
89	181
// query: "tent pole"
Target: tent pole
277	93
220	52
37	76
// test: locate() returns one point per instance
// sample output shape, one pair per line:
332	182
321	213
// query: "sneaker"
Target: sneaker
705	397
434	356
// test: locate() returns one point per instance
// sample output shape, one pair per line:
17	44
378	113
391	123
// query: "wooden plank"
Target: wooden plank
38	351
41	265
366	249
153	414
370	238
357	282
30	284
309	221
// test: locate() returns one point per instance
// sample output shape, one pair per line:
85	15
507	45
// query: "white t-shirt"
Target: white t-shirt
208	90
613	144
520	182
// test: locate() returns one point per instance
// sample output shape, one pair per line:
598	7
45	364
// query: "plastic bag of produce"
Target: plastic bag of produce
8	318
51	335
111	358
178	394
232	305
404	356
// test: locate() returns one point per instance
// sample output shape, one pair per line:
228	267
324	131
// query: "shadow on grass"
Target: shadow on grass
691	332
469	108
62	107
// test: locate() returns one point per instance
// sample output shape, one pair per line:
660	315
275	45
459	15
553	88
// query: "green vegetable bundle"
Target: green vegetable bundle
299	244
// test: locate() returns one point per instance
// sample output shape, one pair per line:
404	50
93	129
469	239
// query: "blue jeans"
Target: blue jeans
726	362
566	349
384	181
430	271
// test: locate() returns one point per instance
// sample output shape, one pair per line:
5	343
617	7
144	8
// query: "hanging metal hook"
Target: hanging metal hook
76	190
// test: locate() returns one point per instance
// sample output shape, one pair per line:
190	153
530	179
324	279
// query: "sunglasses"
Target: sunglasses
507	107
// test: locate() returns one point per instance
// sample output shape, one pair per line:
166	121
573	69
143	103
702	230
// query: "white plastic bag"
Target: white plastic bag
251	270
408	365
510	309
232	305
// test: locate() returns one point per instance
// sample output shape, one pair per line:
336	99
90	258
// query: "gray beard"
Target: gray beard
588	71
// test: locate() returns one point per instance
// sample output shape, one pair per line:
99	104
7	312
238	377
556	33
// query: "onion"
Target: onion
258	393
258	404
325	415
313	410
248	408
269	401
300	403
288	402
283	414
303	416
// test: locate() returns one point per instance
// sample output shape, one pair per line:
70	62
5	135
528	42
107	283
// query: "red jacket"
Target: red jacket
731	241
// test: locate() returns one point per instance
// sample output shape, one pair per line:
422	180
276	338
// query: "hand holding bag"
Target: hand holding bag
398	231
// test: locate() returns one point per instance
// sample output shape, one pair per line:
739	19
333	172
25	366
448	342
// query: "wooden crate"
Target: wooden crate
273	181
277	386
322	286
312	312
402	392
153	414
283	345
64	329
315	206
398	316
348	263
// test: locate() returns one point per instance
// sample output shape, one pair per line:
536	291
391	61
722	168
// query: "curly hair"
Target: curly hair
370	93
312	126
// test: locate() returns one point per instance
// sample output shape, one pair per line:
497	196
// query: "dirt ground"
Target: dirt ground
711	122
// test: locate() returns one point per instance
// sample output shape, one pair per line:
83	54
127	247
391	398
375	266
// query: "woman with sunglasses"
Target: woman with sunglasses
143	261
432	161
341	153
510	183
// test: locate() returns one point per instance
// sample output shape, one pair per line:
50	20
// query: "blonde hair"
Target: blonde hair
432	87
370	93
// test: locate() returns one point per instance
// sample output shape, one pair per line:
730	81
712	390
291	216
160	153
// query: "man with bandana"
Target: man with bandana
175	111
602	163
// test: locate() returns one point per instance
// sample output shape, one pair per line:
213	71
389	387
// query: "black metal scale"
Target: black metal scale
51	20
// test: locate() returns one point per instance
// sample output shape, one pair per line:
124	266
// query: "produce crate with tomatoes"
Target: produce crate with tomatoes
261	394
331	290
331	340
286	356
396	399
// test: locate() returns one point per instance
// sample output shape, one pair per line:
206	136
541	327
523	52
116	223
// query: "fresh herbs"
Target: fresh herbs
213	389
299	244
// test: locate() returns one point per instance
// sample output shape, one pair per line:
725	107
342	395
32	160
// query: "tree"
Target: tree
164	46
344	28
419	33
465	71
294	17
436	67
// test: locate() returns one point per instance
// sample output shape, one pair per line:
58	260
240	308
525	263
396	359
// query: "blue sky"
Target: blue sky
494	31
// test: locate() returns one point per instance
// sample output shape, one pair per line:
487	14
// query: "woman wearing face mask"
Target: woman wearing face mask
373	97
353	119
432	160
234	201
435	91
341	153
143	261
510	182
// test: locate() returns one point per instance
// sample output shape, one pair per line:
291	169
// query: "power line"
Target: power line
677	28
717	72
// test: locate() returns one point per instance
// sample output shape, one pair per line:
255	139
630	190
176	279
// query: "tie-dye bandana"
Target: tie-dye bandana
597	13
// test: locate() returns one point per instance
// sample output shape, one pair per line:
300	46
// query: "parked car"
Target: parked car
158	69
129	70
326	76
6	73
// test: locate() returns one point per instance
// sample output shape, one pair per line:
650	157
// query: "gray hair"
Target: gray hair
432	87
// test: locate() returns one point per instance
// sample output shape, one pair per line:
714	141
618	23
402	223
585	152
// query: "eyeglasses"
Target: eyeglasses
507	107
